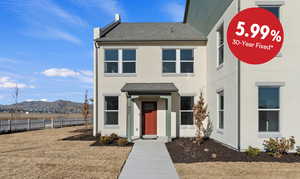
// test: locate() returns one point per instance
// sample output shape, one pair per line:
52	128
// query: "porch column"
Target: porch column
129	118
168	114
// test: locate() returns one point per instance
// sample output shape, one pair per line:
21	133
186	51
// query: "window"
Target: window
126	63
221	109
178	60
220	45
268	109
186	110
274	9
129	58
111	110
111	61
186	61
169	61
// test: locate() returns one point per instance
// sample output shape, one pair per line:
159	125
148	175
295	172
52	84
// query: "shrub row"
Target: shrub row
113	138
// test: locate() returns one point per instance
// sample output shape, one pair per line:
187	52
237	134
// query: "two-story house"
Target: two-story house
148	76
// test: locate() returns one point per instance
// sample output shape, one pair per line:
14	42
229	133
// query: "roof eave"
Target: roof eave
133	41
187	5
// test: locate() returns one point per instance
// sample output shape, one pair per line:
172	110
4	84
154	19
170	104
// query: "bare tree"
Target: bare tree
15	96
85	109
200	113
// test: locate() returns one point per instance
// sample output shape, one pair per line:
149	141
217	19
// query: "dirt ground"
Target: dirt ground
42	154
238	170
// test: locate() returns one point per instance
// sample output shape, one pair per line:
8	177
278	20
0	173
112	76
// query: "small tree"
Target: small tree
15	96
85	110
200	114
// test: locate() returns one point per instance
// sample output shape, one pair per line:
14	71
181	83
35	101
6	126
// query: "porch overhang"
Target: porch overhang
149	88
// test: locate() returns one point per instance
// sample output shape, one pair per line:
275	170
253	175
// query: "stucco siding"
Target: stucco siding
149	70
222	78
283	69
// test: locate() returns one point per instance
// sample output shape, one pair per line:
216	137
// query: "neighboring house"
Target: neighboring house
149	75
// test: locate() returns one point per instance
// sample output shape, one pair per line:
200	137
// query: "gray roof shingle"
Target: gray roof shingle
152	32
149	88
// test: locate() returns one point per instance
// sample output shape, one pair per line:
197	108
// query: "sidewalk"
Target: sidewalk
149	159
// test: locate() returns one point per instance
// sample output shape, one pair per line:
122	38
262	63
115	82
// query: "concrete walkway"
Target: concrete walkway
149	159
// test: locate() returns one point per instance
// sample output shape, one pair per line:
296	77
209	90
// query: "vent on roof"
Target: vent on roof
117	17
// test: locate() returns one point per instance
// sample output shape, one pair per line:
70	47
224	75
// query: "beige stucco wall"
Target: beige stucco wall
149	70
222	78
284	68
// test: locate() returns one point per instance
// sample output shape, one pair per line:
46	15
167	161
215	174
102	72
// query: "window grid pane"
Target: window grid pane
169	67
111	118
129	55
169	55
129	67
187	67
186	55
111	103
111	67
111	55
272	9
187	118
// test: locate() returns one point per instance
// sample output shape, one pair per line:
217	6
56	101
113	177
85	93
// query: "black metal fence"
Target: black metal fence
10	126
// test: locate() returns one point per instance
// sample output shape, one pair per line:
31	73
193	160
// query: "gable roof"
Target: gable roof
150	32
204	14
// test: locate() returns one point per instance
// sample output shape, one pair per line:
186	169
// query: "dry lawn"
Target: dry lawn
238	170
42	154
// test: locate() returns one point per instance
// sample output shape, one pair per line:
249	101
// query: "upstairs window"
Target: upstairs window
268	109
169	60
120	61
178	61
111	110
220	44
129	58
111	58
186	110
274	9
186	61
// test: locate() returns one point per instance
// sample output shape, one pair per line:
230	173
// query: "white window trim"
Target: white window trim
220	110
191	110
104	111
220	45
177	61
120	63
271	109
272	4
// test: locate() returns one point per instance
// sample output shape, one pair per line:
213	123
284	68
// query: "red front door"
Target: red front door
149	118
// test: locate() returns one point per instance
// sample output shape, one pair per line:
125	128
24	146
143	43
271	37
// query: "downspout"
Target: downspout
239	92
95	89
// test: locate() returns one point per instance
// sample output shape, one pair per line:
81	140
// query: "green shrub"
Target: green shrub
106	140
122	141
252	151
279	146
298	150
114	136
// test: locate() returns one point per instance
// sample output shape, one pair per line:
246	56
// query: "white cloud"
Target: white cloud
83	75
109	7
44	100
175	10
6	82
30	100
45	19
59	34
60	72
8	60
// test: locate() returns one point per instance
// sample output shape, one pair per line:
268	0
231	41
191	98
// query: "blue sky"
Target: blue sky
46	45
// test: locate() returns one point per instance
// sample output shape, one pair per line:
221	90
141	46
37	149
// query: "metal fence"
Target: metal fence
10	126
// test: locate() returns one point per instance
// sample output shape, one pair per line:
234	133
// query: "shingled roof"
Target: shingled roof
150	32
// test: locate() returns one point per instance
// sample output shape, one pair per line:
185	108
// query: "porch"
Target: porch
151	110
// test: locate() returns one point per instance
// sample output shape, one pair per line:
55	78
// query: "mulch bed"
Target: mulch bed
183	150
114	143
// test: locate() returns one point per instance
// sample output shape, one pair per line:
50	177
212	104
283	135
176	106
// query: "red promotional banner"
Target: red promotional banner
255	36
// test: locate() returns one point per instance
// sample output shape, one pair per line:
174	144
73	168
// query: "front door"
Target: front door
149	118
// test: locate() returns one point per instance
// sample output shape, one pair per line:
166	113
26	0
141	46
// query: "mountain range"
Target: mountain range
59	106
